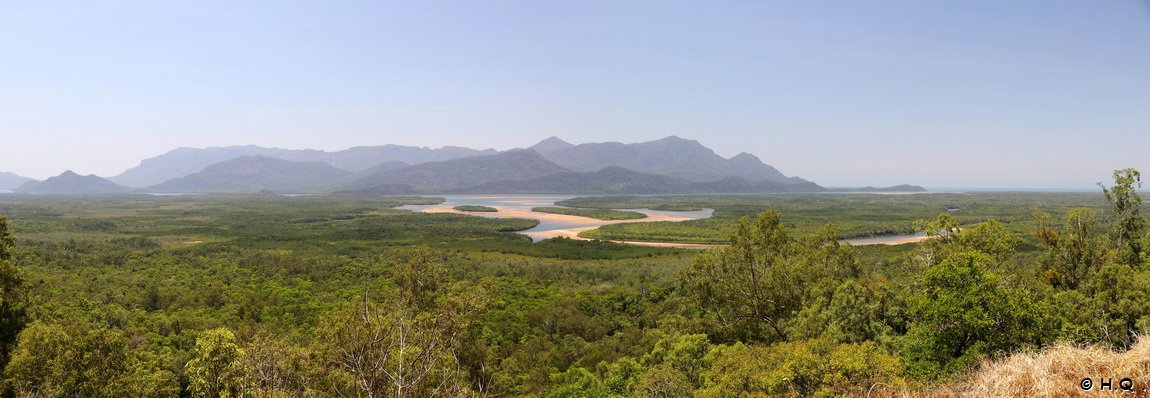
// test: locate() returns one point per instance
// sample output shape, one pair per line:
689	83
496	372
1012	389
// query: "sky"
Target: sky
1016	94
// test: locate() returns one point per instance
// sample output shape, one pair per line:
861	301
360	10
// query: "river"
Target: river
550	225
558	225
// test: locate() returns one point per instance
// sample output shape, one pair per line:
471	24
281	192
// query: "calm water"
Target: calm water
883	240
546	227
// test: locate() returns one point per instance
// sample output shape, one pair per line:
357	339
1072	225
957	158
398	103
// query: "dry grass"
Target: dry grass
1057	372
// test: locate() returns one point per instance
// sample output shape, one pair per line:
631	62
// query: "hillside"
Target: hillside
459	174
11	180
668	165
608	181
620	181
185	161
377	169
550	146
256	173
71	183
670	156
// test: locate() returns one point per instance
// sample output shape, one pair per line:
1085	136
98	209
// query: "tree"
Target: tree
276	367
807	368
78	360
420	278
390	350
13	298
967	311
216	368
1128	223
945	228
757	279
991	238
757	283
1074	251
406	345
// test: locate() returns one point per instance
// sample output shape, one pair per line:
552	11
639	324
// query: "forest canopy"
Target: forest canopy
344	296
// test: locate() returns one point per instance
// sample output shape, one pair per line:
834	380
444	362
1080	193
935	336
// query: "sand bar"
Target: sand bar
577	224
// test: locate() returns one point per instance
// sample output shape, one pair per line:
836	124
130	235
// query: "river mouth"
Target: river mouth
567	226
552	225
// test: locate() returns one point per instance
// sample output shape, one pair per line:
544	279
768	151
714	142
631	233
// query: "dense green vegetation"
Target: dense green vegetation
476	208
344	296
600	214
675	207
855	215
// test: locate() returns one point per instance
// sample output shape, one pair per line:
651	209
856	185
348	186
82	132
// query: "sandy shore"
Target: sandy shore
505	212
587	224
583	224
886	241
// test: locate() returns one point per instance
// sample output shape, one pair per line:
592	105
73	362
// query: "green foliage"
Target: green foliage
1075	251
391	350
76	360
968	311
811	368
759	280
122	288
756	282
216	368
1112	307
13	300
600	214
278	368
675	207
578	249
945	228
1128	223
475	208
855	215
578	382
991	238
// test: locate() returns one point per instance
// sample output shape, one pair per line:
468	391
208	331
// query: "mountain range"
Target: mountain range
185	161
254	174
666	166
10	181
71	183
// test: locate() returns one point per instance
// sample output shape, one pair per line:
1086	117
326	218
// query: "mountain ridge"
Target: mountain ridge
10	181
451	175
69	182
671	156
184	161
255	173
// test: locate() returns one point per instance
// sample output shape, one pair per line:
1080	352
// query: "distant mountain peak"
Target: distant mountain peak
11	180
185	161
69	182
746	157
551	145
675	143
253	173
670	156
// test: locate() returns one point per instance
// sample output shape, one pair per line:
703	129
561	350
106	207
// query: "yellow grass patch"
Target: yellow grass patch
1058	371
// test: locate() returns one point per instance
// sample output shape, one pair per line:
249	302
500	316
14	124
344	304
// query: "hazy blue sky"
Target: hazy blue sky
937	93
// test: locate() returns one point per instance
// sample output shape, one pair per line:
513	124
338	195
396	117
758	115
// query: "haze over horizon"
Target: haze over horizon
972	94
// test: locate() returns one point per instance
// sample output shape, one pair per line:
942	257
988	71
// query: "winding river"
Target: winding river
559	225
